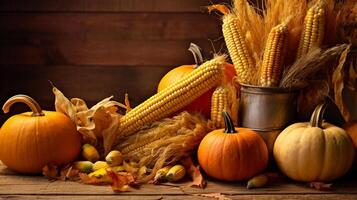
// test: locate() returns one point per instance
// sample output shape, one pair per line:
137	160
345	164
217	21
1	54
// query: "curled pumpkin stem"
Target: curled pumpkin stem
30	102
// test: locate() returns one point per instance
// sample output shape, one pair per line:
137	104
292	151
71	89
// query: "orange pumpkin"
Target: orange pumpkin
29	141
232	154
203	103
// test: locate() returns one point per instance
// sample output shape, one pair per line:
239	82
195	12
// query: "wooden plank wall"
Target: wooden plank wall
93	48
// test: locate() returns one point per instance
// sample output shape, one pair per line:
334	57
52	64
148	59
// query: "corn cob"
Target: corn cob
176	173
219	104
119	168
114	158
237	48
258	181
271	69
173	98
99	165
83	166
90	153
314	29
160	175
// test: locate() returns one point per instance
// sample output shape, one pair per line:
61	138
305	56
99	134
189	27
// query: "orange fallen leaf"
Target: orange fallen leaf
194	173
121	180
320	186
50	171
105	180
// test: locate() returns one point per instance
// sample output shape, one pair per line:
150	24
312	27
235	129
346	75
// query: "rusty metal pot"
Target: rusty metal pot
267	110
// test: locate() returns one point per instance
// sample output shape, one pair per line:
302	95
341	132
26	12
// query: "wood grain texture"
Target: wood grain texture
107	5
105	39
127	196
91	83
31	187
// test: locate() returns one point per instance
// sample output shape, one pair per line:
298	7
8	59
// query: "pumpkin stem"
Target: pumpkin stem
30	102
197	54
317	115
228	123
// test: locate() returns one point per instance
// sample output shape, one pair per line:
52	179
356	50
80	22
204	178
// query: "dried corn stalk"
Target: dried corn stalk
165	141
307	67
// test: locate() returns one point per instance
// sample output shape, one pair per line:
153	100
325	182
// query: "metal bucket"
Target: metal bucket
267	110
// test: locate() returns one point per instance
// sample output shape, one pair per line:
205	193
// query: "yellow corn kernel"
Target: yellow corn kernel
314	29
258	181
83	166
90	153
176	173
219	103
273	58
114	158
237	48
174	97
160	175
99	165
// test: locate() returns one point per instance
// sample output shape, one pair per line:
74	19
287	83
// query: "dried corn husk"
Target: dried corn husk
96	123
339	77
182	134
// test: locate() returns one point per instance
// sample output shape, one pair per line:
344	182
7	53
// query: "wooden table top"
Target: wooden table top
13	186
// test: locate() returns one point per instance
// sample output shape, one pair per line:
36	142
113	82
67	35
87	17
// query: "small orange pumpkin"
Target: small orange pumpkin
29	141
232	154
203	103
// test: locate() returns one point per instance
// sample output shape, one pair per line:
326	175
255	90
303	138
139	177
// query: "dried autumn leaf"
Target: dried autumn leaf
50	171
338	80
320	186
121	180
194	173
69	173
92	180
